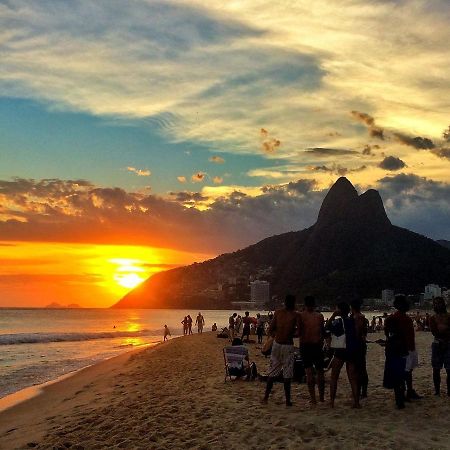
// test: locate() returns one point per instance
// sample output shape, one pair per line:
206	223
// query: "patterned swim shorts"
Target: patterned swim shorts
281	359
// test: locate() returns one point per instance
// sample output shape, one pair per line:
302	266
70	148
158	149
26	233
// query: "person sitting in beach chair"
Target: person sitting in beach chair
237	362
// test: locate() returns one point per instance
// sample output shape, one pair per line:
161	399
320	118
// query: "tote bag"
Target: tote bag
339	341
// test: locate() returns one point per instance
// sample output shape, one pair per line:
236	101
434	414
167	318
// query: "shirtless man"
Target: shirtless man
311	330
440	348
200	322
282	329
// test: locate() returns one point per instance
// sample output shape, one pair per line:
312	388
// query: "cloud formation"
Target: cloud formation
139	172
374	130
198	177
418	142
392	163
216	159
78	211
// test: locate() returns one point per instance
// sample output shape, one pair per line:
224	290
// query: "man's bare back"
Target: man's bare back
283	326
311	327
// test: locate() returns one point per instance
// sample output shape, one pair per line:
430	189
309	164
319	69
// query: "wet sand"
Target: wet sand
174	396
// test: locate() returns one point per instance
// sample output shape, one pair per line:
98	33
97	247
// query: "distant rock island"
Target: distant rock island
352	250
55	305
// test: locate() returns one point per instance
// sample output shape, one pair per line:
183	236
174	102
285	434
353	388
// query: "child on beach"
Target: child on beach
166	333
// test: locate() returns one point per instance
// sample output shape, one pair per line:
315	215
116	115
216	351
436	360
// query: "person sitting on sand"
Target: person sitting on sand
236	366
440	348
189	324
311	333
361	336
282	328
185	325
166	333
247	322
214	327
342	329
200	322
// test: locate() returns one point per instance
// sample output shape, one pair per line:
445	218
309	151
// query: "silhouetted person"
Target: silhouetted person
246	330
189	324
339	325
259	328
166	333
361	325
232	325
185	325
200	322
399	331
440	348
311	333
282	328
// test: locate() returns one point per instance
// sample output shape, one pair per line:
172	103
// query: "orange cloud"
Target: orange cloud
217	159
198	177
139	172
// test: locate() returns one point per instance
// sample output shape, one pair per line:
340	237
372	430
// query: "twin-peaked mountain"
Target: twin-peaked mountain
352	250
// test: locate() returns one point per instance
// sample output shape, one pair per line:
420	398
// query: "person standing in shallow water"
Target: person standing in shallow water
311	331
440	348
282	329
166	333
189	324
200	322
185	325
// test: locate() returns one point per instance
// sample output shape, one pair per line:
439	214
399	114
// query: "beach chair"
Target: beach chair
236	362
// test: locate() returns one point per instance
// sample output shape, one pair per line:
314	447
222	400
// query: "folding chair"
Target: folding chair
235	361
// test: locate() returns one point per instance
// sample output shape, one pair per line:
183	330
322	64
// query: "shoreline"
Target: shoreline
140	399
29	392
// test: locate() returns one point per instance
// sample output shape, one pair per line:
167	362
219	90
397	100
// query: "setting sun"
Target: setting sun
129	280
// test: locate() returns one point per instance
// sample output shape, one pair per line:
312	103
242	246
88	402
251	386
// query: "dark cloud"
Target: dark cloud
418	142
442	152
446	134
320	151
185	196
89	214
368	149
337	169
417	203
392	163
374	130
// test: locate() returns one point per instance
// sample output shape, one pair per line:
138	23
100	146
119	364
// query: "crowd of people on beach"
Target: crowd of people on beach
342	340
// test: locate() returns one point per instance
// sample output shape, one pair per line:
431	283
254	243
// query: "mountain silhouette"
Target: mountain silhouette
352	250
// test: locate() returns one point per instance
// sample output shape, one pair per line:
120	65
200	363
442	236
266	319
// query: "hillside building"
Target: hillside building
432	291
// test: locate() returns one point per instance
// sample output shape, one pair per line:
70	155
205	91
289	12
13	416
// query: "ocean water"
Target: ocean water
39	345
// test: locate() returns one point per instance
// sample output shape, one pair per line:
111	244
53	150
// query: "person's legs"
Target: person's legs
352	374
336	366
411	394
437	380
269	386
287	391
321	384
310	379
448	382
399	391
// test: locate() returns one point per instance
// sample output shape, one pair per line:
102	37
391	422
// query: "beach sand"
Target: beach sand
174	396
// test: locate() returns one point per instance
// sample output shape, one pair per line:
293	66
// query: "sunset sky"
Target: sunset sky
140	135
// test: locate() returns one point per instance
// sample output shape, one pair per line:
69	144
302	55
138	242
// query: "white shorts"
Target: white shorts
281	359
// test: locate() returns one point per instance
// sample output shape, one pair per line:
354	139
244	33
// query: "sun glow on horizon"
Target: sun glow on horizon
90	275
